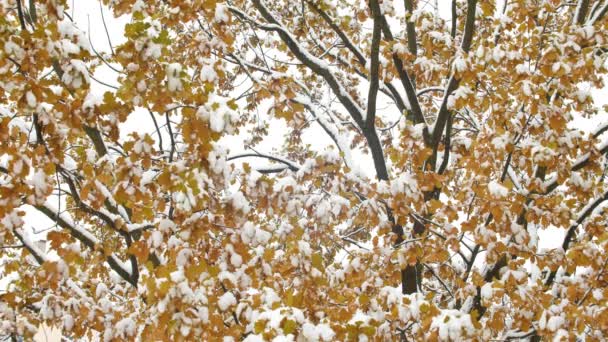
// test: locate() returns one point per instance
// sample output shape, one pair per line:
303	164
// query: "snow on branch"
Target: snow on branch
291	165
315	64
582	216
339	140
86	237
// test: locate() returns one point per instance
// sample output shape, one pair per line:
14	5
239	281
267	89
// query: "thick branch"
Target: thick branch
388	89
374	65
20	14
454	20
446	144
453	82
33	14
469	26
316	65
34	251
581	12
583	215
87	239
580	163
347	42
408	86
410	28
599	14
91	132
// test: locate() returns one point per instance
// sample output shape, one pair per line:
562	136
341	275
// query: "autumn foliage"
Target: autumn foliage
316	170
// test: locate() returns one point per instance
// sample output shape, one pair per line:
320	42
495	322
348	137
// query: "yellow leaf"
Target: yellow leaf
289	326
317	261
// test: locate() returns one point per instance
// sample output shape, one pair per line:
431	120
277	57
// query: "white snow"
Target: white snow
174	82
582	95
321	332
226	301
91	101
500	142
236	260
240	202
75	74
555	322
126	327
208	74
156	238
522	69
166	225
405	183
216	122
222	15
270	297
217	112
487	291
68	322
451	324
460	64
183	256
100	290
497	190
31	99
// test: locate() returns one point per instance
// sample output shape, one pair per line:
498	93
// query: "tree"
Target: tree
399	172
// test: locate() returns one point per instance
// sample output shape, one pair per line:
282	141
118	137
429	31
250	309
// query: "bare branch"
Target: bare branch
410	90
410	28
347	42
580	13
452	84
291	165
20	14
374	65
103	20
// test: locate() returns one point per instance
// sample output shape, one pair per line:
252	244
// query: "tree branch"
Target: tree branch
580	12
374	65
86	238
453	82
20	14
408	86
410	28
347	42
316	65
291	165
583	215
